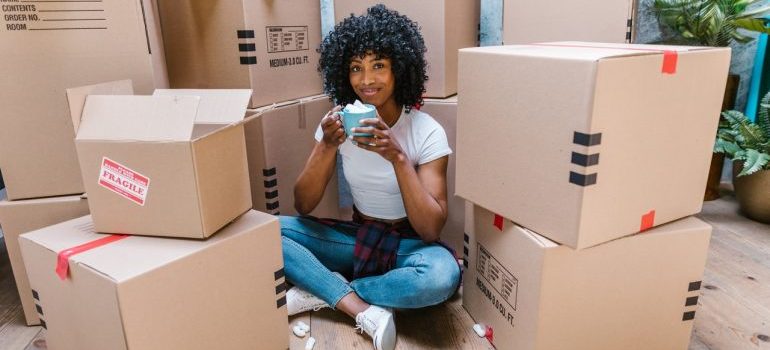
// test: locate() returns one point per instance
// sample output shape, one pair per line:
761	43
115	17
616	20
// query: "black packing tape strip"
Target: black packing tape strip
245	34
271	183
280	302
42	324
582	180
269	172
691	301
629	23
689	315
466	238
39	309
248	60
465	250
465	263
280	288
35	295
271	194
694	286
278	274
585	159
628	35
587	139
272	206
247	47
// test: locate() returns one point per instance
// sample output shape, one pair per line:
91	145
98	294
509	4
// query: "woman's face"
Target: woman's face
372	79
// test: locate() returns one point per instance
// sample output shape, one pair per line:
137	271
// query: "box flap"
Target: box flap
138	118
217	106
76	97
579	50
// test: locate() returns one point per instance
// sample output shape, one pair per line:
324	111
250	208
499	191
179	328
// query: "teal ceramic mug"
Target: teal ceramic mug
352	120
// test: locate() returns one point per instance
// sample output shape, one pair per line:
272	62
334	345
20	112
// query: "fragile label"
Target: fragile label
124	181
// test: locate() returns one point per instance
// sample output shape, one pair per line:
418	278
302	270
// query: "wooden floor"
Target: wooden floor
733	314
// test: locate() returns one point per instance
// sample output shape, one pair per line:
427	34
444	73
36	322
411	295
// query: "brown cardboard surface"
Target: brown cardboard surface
517	127
527	22
444	111
17	217
279	141
636	292
50	54
160	293
190	184
268	46
446	26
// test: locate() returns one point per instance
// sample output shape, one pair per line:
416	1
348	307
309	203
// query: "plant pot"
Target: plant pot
718	159
753	193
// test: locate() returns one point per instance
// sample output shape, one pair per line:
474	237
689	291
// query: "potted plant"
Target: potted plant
748	144
712	23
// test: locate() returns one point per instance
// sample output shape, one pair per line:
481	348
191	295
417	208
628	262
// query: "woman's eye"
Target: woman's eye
355	69
378	65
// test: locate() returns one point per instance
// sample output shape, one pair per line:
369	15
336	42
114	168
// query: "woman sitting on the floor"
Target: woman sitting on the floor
397	178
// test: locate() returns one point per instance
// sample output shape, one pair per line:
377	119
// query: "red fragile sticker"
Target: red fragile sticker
648	221
499	222
63	259
123	181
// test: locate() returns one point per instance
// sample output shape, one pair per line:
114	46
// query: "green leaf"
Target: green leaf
753	162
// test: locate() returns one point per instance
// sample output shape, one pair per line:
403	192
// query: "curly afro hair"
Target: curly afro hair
385	33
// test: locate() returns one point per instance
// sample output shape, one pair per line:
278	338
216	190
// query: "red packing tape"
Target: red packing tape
648	221
62	261
670	57
498	222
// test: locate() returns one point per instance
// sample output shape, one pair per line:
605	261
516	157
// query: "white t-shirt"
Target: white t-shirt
372	178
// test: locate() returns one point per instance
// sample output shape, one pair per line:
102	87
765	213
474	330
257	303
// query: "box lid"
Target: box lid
138	118
579	50
76	97
134	255
217	106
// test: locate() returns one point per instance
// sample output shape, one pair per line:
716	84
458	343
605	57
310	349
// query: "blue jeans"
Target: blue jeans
424	275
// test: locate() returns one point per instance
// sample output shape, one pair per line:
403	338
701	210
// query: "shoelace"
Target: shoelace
360	328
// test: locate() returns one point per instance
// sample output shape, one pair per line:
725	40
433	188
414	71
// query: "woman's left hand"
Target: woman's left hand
381	142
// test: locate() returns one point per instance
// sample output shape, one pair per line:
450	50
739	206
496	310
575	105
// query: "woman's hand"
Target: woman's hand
334	133
381	142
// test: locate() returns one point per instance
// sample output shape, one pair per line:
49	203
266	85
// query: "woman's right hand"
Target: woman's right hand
334	133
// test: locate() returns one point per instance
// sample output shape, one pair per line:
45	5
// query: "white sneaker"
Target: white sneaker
299	300
378	323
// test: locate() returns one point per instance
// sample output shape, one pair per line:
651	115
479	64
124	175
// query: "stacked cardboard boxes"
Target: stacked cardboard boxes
179	172
585	146
52	46
58	45
446	26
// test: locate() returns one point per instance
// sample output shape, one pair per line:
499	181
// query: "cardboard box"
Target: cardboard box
172	164
279	140
446	26
638	292
527	22
51	53
587	142
265	45
17	217
444	111
227	292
